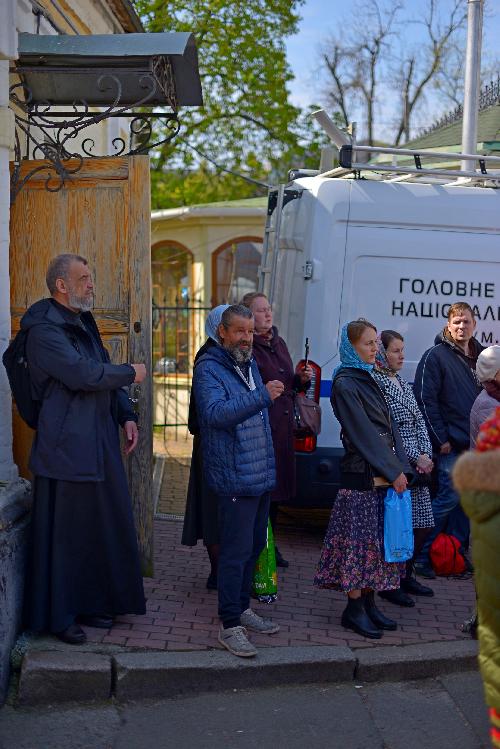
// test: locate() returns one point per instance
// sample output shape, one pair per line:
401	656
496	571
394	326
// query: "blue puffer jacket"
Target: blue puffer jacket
445	388
237	447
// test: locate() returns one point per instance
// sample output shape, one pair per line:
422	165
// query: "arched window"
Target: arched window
235	269
171	273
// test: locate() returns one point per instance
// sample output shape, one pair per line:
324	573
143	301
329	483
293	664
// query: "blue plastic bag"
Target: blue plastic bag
398	527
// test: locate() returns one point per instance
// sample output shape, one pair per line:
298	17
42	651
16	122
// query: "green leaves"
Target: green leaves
247	123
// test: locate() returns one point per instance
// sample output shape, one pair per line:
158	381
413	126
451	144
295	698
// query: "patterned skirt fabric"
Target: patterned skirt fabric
353	550
421	506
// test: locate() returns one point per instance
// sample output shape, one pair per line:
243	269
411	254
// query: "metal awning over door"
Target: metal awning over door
156	69
66	84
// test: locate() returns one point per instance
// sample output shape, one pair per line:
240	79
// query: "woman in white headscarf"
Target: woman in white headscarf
417	444
200	518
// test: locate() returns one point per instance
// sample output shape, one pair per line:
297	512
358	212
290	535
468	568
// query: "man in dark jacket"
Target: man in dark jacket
238	461
446	387
83	564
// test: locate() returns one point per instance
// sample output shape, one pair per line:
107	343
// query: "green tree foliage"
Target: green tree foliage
247	124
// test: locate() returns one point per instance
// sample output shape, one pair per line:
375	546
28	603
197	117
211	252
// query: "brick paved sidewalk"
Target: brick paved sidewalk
182	613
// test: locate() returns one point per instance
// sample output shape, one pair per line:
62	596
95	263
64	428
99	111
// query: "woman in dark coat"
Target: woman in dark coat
352	558
200	518
274	362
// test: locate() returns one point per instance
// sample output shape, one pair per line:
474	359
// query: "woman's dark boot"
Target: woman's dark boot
355	617
410	584
377	617
398	597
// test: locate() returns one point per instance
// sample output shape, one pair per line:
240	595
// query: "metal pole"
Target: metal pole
472	76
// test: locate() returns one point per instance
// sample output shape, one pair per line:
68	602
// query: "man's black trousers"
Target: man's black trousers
243	534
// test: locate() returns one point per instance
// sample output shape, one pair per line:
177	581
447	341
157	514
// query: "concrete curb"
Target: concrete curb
55	676
162	675
402	663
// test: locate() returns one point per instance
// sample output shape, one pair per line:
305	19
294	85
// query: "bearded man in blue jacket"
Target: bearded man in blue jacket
238	461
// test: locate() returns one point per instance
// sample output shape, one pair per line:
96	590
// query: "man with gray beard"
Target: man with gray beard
83	563
238	463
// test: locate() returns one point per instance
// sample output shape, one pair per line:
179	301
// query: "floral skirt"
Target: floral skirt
353	550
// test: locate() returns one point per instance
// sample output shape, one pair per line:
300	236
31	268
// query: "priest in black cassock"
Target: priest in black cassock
83	562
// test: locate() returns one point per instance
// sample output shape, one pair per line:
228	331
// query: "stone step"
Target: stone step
55	676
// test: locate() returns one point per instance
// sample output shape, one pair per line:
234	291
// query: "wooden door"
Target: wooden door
103	214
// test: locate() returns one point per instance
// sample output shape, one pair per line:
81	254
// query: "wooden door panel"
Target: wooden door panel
116	348
103	214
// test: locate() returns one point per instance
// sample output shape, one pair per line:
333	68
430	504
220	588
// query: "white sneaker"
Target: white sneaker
256	623
236	641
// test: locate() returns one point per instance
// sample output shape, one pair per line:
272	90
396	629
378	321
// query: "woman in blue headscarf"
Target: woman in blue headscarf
352	558
200	517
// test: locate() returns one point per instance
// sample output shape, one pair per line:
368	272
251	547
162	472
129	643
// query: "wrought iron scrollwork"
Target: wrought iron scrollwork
43	132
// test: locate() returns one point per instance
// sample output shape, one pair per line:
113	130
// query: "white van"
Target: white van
398	253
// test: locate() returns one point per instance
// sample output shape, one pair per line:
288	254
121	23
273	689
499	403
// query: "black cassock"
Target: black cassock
83	557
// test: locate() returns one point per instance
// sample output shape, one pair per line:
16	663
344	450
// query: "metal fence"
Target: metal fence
488	97
178	333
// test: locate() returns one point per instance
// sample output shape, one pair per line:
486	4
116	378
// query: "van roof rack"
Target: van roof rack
348	161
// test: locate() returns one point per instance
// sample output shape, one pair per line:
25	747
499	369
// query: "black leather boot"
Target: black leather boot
410	584
355	617
399	597
377	617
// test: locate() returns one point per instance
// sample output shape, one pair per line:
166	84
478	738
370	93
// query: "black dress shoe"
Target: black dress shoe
73	635
212	582
424	569
355	617
280	562
398	597
411	585
378	618
100	622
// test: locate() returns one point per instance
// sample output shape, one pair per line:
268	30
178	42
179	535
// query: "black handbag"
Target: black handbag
307	415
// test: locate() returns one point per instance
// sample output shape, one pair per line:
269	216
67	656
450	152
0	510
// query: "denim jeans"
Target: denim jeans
243	535
448	513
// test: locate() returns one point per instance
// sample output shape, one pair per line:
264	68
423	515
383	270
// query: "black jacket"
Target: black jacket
371	439
445	388
70	371
193	422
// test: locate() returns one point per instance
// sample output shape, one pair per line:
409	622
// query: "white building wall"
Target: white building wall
8	51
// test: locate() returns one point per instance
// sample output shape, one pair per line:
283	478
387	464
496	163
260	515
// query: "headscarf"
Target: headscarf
381	362
349	357
213	321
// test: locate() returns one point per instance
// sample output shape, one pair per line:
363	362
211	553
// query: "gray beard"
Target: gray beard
84	304
240	355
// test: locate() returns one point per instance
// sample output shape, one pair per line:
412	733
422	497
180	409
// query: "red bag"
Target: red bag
446	555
